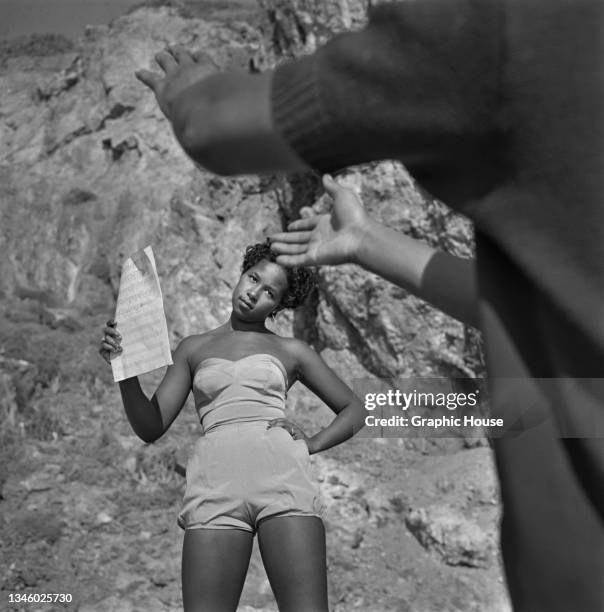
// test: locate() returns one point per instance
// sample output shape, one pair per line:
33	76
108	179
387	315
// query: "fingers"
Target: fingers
107	348
166	60
282	248
110	347
170	59
201	57
284	424
277	423
290	238
181	54
110	342
151	79
334	188
111	332
307	211
293	261
330	185
174	56
307	224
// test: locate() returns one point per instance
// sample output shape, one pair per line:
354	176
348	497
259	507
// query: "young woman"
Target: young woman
249	472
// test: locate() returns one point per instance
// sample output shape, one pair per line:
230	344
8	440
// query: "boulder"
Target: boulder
454	537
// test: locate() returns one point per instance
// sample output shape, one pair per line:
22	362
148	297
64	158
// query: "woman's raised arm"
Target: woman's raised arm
151	418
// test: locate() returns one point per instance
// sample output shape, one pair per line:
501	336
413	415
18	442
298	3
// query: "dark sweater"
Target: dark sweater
496	109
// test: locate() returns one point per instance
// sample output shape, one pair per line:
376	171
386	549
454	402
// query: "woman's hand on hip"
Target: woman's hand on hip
292	429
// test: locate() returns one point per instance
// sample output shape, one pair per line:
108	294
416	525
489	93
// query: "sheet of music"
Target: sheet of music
140	318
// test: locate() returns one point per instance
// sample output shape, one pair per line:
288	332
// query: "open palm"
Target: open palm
324	239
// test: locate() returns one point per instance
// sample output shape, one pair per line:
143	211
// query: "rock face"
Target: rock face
89	173
457	540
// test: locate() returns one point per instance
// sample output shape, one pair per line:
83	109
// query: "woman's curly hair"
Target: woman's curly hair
300	281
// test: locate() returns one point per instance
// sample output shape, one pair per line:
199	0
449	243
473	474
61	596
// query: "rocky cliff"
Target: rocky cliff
89	173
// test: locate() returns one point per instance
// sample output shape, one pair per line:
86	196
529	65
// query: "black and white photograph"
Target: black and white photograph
302	305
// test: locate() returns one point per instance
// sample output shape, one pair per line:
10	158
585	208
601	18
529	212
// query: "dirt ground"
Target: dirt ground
88	509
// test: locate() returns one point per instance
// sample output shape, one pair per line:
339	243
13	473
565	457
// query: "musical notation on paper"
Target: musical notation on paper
140	318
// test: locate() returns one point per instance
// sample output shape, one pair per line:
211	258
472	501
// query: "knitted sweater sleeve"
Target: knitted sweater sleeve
420	83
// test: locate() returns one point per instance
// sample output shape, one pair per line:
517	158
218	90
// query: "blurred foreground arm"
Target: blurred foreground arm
349	235
222	120
419	83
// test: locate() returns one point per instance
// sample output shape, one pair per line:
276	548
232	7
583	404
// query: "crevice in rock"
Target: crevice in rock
81	131
118	110
356	343
293	193
76	196
305	321
117	150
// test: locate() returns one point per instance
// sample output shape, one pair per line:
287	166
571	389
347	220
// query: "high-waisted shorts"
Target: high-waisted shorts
240	474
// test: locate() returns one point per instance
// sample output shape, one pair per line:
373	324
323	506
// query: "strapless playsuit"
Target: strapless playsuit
240	472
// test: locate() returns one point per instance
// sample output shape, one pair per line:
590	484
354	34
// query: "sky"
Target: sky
67	17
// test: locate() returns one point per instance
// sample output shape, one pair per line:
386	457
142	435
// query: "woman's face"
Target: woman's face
259	291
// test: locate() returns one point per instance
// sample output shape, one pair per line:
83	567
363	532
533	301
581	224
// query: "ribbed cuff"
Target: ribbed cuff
301	117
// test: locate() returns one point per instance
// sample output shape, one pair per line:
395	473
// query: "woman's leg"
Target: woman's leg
214	565
293	551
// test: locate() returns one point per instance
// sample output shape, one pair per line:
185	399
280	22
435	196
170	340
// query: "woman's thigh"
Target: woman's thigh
214	566
293	552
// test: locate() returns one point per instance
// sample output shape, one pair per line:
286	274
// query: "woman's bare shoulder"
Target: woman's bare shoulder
296	349
196	342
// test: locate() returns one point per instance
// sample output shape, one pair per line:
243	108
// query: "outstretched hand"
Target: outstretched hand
181	70
324	239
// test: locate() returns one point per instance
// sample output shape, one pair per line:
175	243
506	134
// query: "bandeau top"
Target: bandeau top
228	391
